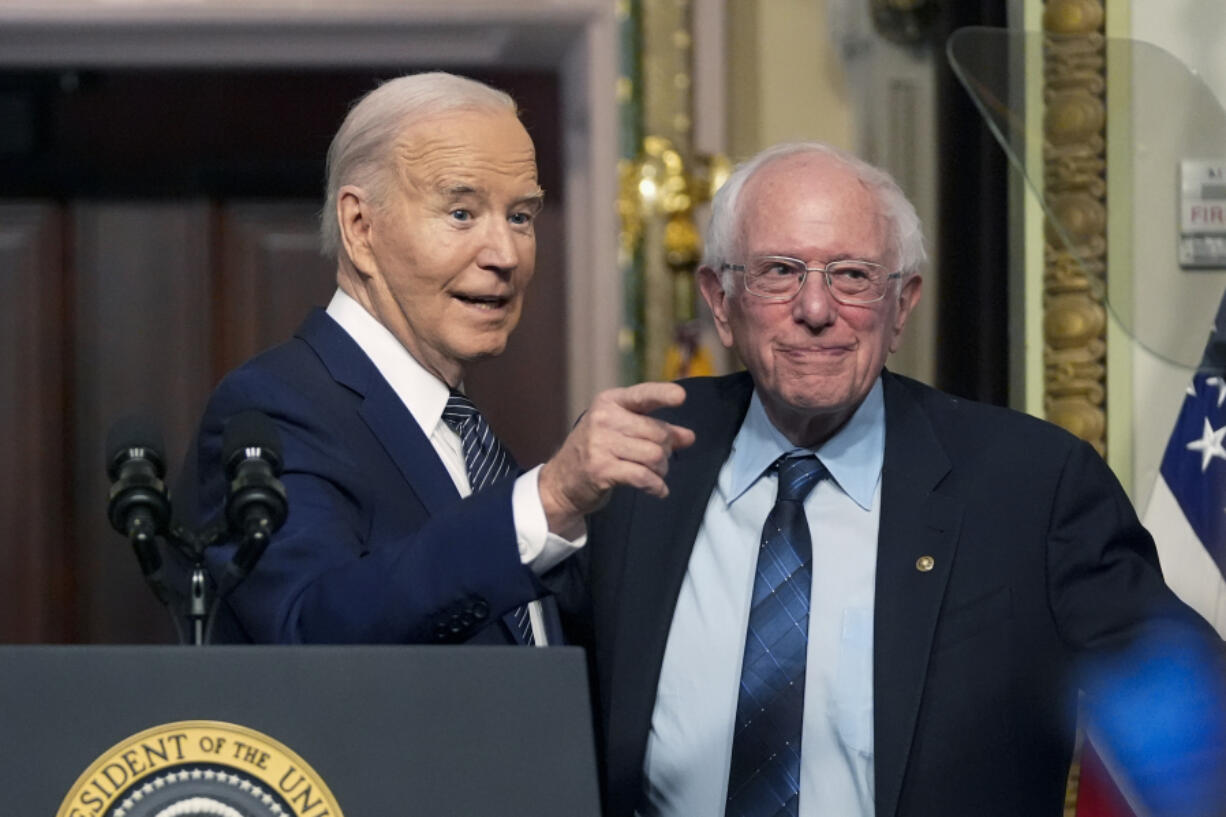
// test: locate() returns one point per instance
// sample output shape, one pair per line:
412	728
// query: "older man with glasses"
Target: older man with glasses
860	596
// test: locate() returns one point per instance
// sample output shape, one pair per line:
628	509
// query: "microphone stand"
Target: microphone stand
197	609
200	606
139	506
192	545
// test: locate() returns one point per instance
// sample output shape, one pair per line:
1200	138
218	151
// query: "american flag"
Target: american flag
1187	517
1187	511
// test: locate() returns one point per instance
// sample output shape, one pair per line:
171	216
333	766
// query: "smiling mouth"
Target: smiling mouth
491	302
808	351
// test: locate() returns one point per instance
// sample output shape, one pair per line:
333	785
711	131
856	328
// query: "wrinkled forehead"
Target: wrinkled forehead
468	148
811	203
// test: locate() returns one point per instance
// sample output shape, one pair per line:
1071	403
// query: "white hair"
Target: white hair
362	152
724	230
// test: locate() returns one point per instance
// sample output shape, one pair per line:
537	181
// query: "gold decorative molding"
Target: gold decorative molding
658	193
1073	16
662	180
1075	189
1075	235
667	62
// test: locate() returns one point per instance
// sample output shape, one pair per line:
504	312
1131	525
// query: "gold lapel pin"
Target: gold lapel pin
924	563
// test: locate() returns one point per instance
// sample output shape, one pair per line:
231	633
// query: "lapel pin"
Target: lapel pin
924	564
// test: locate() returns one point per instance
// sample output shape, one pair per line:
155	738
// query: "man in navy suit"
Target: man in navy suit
431	195
904	646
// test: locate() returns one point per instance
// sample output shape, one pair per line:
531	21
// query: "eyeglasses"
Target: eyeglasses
779	278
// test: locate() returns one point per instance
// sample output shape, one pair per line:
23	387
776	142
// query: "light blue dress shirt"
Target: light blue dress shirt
689	747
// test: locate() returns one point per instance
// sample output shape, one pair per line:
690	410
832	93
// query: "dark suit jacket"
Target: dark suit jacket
1037	557
378	545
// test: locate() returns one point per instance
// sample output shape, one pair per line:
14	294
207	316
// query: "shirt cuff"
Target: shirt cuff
539	549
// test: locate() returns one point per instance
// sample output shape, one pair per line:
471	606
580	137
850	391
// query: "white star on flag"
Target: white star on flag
1220	383
1210	445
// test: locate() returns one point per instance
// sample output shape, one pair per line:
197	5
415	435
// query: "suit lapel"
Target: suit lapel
382	411
659	543
916	522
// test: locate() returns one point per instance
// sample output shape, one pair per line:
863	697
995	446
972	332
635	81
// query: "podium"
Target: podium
385	731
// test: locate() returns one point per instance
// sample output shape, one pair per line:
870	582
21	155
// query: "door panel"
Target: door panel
34	483
143	328
271	276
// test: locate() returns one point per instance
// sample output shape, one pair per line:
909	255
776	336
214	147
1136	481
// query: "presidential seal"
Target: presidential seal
199	769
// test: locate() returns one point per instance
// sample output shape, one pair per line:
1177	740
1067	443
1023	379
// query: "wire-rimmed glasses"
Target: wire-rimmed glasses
780	278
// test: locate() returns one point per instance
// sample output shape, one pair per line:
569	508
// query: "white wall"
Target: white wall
784	79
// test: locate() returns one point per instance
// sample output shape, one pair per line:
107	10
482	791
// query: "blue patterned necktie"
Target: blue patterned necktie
487	462
764	777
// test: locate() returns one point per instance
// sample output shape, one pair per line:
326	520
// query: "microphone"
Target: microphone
138	506
256	506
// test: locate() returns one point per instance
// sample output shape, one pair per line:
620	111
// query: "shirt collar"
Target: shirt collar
853	456
423	394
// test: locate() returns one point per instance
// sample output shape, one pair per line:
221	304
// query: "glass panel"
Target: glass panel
1178	135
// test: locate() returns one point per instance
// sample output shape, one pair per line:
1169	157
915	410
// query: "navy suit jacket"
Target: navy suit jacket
1037	559
378	545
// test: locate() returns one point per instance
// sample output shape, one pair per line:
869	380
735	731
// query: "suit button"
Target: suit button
480	610
441	633
466	620
457	624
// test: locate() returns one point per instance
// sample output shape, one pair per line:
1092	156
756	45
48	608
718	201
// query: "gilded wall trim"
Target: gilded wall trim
1075	244
662	181
1075	190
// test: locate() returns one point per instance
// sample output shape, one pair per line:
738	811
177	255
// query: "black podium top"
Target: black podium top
390	730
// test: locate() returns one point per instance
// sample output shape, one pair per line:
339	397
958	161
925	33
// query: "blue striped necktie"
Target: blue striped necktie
764	776
487	462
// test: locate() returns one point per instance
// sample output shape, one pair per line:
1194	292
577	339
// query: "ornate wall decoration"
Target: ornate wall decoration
1075	243
1075	189
662	180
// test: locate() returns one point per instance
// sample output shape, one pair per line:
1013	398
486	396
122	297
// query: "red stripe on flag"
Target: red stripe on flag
1097	794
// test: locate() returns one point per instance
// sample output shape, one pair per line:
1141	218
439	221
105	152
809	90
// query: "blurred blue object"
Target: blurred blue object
1158	714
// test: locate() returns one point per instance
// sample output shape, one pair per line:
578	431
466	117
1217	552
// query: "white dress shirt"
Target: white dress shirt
425	396
689	748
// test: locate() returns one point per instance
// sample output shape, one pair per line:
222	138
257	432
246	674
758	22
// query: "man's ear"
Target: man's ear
712	289
353	214
908	297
